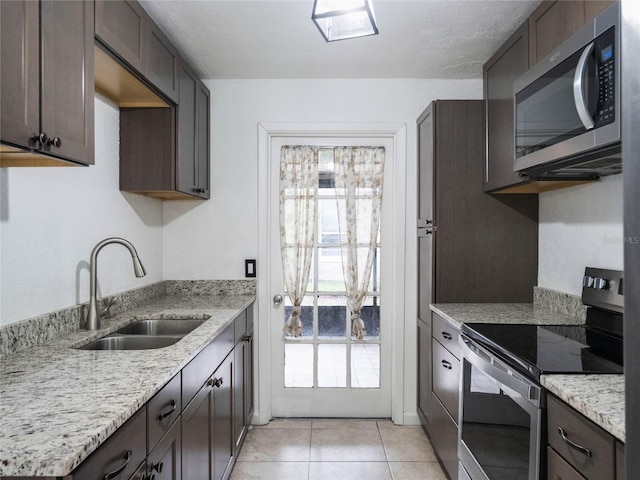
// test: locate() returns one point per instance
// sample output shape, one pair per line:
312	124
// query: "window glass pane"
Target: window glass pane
365	365
325	170
306	316
328	231
330	278
332	317
298	365
370	315
332	365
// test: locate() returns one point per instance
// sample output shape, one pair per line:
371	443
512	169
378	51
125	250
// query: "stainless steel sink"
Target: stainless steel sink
131	342
162	326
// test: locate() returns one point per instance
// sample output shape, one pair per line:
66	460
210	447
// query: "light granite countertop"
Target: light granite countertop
599	397
459	313
58	404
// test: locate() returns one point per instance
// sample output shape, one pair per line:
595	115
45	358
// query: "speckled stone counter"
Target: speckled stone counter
58	404
600	398
459	313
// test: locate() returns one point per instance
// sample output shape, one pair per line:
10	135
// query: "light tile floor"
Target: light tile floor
340	449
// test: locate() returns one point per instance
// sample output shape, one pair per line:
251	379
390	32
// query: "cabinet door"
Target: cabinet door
511	61
67	86
163	410
165	461
20	72
558	469
163	62
122	26
424	373
222	418
238	396
248	370
552	23
203	139
187	133
197	435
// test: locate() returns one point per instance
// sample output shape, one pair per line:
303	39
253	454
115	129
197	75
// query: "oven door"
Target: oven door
501	418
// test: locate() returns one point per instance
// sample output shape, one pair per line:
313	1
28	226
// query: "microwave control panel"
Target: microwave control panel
605	61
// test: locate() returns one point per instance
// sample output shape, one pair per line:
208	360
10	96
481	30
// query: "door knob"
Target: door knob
277	300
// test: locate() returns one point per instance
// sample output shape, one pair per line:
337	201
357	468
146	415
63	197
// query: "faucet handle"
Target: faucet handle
109	303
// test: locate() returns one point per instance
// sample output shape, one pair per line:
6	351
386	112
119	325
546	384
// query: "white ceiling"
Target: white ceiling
277	38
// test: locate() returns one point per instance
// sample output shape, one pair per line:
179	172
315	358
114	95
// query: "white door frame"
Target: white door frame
262	353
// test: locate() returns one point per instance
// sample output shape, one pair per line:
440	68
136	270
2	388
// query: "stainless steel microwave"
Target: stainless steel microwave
567	106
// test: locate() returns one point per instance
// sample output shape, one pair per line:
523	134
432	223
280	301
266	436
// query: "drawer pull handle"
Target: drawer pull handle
247	338
115	473
164	415
217	382
446	364
447	335
579	448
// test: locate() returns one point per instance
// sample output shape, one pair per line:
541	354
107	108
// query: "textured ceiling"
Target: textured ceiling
277	38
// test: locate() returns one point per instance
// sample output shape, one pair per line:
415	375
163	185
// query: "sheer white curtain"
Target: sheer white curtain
358	180
298	198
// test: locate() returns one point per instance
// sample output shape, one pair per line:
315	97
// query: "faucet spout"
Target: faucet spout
93	315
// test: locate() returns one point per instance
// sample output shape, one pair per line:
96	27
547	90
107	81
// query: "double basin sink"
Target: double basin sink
146	334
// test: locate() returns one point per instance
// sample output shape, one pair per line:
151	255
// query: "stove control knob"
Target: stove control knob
600	283
587	281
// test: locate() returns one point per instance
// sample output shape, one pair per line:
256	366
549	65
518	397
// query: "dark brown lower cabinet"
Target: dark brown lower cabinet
424	372
444	437
578	449
165	461
207	442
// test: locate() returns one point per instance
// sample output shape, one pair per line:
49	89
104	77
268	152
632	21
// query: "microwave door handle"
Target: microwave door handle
578	88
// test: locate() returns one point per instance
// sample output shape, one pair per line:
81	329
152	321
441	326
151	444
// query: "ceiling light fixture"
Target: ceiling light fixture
343	19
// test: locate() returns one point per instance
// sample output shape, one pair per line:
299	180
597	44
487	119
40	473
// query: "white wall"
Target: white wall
579	227
50	219
212	239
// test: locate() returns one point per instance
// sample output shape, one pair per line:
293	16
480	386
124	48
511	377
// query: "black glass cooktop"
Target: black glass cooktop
536	349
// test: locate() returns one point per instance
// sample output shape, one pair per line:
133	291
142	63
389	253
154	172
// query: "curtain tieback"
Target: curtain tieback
357	327
293	325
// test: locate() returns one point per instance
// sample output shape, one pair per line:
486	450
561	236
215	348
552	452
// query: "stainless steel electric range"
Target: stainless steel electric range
502	405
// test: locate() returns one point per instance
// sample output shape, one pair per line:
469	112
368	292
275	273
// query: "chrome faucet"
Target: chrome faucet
93	316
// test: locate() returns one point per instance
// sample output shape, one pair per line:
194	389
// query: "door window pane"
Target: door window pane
332	365
298	365
332	318
365	365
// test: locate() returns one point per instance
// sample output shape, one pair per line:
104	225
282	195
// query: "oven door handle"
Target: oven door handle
482	359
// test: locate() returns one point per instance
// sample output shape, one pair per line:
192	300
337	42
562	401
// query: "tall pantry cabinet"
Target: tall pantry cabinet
473	247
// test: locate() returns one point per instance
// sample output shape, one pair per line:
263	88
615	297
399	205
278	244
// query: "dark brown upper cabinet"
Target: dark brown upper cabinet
123	26
507	64
554	21
193	134
47	83
164	152
127	32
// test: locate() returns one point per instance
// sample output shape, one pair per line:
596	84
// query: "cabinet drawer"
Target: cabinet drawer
600	464
125	448
162	411
444	437
200	368
558	469
620	473
446	378
446	334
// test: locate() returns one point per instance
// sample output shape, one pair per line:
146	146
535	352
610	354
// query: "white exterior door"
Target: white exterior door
327	372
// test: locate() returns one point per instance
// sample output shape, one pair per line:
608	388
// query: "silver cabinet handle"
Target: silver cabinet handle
446	364
115	473
574	445
446	335
277	300
578	88
172	407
